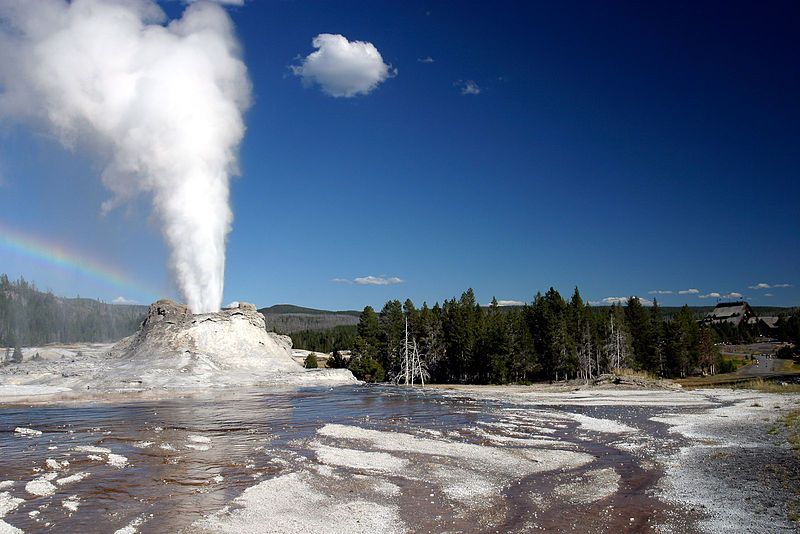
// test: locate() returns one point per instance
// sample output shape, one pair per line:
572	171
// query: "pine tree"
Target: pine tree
392	330
640	327
311	361
496	345
369	332
656	339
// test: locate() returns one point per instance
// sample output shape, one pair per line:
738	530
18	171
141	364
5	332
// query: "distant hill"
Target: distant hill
31	317
287	318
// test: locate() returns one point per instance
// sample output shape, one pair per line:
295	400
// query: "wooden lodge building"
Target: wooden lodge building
736	313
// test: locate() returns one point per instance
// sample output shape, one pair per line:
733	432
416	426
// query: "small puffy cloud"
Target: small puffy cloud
427	59
763	285
468	87
691	291
343	68
660	292
768	295
510	303
732	295
712	295
608	301
760	285
123	300
377	281
370	280
233	304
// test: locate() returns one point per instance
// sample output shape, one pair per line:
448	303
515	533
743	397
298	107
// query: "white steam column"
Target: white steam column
159	103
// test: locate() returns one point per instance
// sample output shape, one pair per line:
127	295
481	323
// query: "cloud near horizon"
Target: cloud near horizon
343	68
608	301
371	280
510	303
762	285
123	300
691	291
660	292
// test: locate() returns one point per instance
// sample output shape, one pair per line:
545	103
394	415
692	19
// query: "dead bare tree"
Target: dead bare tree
412	366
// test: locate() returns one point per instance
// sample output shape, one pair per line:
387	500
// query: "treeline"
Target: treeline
32	317
549	339
340	337
786	330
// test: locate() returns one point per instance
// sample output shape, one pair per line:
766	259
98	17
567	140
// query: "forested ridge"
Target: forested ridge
288	319
460	341
32	317
549	339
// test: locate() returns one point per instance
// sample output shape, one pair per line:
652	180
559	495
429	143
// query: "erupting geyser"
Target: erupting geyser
159	102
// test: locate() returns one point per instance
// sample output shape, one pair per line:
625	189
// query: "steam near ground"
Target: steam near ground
159	103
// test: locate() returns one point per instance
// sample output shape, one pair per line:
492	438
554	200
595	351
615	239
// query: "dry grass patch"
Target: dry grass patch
768	386
792	423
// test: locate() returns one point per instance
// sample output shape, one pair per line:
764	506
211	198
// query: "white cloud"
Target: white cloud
732	295
370	280
343	68
661	292
768	295
510	303
233	304
620	300
468	87
377	280
763	285
427	59
712	295
692	291
123	300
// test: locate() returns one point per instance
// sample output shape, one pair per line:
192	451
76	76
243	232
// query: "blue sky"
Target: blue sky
621	147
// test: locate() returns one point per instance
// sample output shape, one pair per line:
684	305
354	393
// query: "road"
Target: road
762	367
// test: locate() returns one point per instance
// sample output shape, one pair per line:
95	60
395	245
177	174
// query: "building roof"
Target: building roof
769	320
729	312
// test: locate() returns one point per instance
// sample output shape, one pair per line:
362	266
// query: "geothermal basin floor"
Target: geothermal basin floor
374	459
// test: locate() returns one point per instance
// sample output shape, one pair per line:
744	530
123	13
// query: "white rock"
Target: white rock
77	477
27	431
117	460
40	487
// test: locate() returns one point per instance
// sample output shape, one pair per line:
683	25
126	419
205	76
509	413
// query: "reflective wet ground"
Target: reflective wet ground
383	458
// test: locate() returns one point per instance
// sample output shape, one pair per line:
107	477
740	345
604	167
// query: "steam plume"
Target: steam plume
159	102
